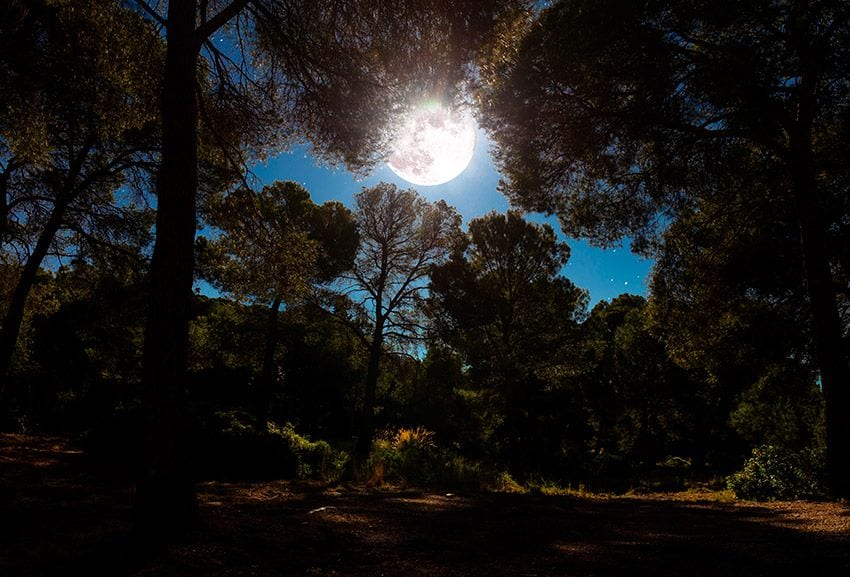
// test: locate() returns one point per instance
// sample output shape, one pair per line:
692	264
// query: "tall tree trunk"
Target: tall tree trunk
827	332
829	343
367	417
166	502
268	378
15	313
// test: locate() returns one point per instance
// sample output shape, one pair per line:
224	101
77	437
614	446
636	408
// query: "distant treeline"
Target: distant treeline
506	370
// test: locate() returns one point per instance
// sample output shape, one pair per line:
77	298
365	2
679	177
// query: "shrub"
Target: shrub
777	473
411	457
406	456
459	473
314	459
231	444
504	483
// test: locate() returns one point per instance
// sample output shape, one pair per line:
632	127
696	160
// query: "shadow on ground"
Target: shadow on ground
61	516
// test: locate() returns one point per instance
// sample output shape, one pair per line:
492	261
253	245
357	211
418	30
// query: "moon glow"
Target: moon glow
434	146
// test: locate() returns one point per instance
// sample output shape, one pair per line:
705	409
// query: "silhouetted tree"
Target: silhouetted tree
324	368
729	297
78	99
274	245
401	237
503	305
618	115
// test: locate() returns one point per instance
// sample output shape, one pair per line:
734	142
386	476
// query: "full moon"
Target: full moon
434	146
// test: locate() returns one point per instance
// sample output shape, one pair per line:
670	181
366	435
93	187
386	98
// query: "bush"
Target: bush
411	457
313	459
504	483
406	456
459	473
231	444
777	473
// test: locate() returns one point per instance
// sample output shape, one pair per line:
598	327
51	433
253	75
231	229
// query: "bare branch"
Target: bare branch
208	28
152	13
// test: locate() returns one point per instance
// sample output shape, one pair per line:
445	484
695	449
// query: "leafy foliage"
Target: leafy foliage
629	118
273	244
501	304
234	446
273	248
606	113
407	456
776	473
78	125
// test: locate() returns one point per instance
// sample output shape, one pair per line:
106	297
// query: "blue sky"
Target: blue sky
604	273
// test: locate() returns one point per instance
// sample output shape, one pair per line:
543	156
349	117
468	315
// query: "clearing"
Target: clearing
62	515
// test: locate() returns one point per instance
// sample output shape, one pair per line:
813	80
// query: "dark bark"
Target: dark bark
166	502
367	417
830	348
827	332
268	377
5	177
15	313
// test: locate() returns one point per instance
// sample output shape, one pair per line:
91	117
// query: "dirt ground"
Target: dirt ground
60	515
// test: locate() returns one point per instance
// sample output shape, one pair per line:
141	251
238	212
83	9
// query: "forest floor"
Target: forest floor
62	515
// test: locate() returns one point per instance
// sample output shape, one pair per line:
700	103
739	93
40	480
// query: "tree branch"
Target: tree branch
146	8
209	27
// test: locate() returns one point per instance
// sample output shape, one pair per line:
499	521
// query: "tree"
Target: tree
502	304
78	123
324	369
88	351
274	245
328	71
603	387
401	237
618	115
728	296
656	395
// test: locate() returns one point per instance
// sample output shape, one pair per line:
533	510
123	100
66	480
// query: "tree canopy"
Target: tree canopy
77	137
273	246
622	117
501	303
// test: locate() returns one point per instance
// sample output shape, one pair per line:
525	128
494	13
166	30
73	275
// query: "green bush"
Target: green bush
777	473
314	459
504	483
231	444
459	473
409	456
405	456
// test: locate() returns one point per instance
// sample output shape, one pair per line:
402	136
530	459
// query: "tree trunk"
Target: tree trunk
166	503
827	332
15	313
268	378
829	343
367	418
